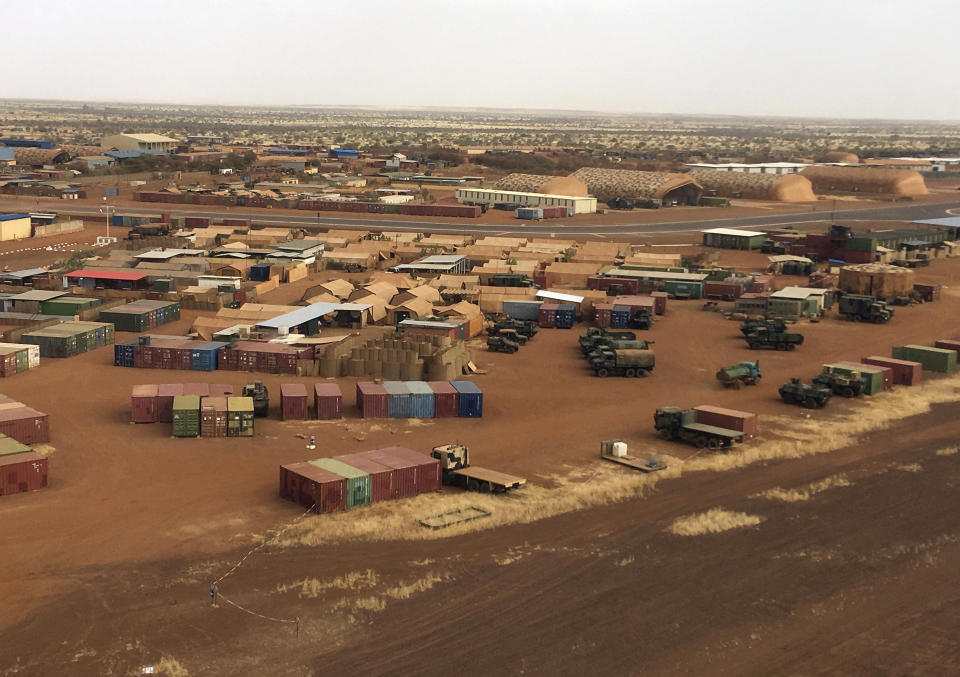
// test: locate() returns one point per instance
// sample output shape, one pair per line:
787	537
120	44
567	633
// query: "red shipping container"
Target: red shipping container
659	301
198	389
446	398
928	292
948	345
722	290
311	486
24	424
293	401
213	417
905	372
22	472
601	314
8	364
731	419
886	382
143	404
382	477
220	389
428	468
405	477
165	394
371	400
327	401
548	315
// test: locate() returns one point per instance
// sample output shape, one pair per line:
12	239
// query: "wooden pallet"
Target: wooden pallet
448	519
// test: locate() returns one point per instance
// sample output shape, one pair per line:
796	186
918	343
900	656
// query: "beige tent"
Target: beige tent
893	182
378	311
339	288
546	185
413	308
425	292
777	187
607	184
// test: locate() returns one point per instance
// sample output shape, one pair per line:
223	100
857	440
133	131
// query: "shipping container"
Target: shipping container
398	399
203	357
213	417
547	316
313	487
947	344
293	401
22	472
186	416
932	359
220	389
358	481
522	310
905	372
382	477
198	389
429	476
872	377
327	401
566	316
470	399
529	213
731	419
659	302
22	423
143	404
371	400
405	471
240	417
10	447
620	317
165	394
422	400
446	399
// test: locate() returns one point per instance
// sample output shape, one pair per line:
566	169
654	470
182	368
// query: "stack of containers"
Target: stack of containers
22	423
17	357
141	315
731	419
404	471
276	358
381	477
203	357
67	306
213	417
357	481
429	477
69	338
547	317
186	416
21	469
143	404
620	317
566	316
446	399
398	399
327	401
240	417
903	372
469	399
293	401
932	359
313	487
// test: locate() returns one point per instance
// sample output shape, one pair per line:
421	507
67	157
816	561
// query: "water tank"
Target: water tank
619	449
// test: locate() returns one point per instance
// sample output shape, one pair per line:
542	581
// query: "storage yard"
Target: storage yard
142	429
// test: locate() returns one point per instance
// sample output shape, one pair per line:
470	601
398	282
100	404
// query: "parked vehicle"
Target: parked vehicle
261	400
742	373
675	423
843	385
457	471
750	326
501	344
526	329
642	318
605	345
622	362
597	335
762	337
863	308
811	396
510	280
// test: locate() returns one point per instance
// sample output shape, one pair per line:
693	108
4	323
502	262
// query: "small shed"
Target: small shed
731	238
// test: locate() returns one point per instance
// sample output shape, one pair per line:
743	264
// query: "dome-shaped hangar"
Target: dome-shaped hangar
776	187
607	184
892	182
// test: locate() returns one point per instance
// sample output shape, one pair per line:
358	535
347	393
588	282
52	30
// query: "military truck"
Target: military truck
742	373
617	345
811	396
595	335
844	385
509	280
501	344
750	326
261	400
863	308
675	423
622	362
522	327
763	337
642	318
457	471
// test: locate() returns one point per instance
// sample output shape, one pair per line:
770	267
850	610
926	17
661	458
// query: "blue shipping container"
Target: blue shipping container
259	273
204	357
398	399
620	317
116	220
422	400
529	213
566	316
470	397
522	310
123	353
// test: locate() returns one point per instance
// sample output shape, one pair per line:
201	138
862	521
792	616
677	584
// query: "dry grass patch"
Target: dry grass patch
804	493
948	451
170	667
713	521
910	467
623	561
380	601
313	587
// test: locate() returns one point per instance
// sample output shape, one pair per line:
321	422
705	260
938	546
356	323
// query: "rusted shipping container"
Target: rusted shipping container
382	477
428	468
405	475
722	290
371	399
905	372
660	301
213	417
601	314
731	419
315	487
24	424
143	404
198	389
948	344
327	401
548	315
165	394
22	472
446	398
293	401
220	389
625	285
928	292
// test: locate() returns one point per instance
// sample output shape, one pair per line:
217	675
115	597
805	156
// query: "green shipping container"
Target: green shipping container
239	417
9	446
861	244
358	482
186	416
688	290
65	306
163	284
786	308
932	359
872	378
23	360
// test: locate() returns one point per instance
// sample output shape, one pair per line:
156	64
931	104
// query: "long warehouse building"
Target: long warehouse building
489	198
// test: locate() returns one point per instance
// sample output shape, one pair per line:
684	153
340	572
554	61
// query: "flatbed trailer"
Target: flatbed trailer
635	463
485	480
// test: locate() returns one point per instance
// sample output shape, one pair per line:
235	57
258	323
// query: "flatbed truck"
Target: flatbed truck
457	471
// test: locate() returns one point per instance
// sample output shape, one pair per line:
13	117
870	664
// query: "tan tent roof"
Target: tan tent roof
398	280
339	288
39	156
540	183
323	298
425	292
779	187
378	310
610	183
896	182
417	306
463	308
384	290
455	281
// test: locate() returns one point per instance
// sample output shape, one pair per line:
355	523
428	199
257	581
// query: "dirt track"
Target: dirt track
121	548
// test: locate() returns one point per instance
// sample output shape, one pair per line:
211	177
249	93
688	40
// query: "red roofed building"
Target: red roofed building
108	279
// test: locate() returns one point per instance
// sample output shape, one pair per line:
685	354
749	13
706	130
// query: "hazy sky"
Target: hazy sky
826	58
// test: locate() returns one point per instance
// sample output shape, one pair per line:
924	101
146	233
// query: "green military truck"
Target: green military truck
742	373
622	362
863	308
599	336
675	423
764	337
809	395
